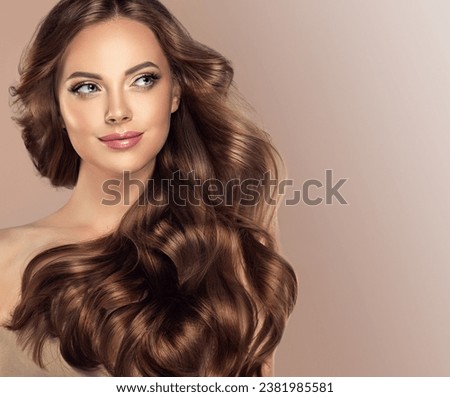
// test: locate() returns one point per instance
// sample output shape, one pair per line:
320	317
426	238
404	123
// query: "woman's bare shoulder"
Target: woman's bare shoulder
18	241
11	239
18	245
12	254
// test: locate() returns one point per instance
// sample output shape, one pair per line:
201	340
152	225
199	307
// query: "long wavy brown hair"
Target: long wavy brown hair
198	289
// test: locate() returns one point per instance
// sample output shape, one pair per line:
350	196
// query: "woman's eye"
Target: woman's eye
85	89
145	81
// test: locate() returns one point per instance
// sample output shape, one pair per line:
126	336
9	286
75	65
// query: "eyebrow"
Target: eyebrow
132	70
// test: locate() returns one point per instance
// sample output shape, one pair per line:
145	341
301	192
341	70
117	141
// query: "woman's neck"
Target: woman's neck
100	199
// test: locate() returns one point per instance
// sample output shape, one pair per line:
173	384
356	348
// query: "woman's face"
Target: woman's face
116	94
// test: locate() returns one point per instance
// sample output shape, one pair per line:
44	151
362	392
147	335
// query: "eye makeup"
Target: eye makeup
88	88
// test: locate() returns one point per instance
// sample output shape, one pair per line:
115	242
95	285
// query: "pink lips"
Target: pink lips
122	141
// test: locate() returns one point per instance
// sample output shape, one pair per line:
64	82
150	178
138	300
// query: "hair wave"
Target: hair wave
190	290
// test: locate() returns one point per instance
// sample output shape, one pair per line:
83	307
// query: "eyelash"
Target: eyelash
152	76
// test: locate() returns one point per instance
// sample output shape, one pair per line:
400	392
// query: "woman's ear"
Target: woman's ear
176	96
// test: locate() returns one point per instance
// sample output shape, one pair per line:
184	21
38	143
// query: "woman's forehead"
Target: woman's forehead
113	46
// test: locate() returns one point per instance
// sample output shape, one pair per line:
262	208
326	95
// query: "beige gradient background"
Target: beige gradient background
357	86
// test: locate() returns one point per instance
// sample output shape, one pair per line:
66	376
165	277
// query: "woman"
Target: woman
157	265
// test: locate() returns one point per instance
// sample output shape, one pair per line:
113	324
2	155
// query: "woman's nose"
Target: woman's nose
118	111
